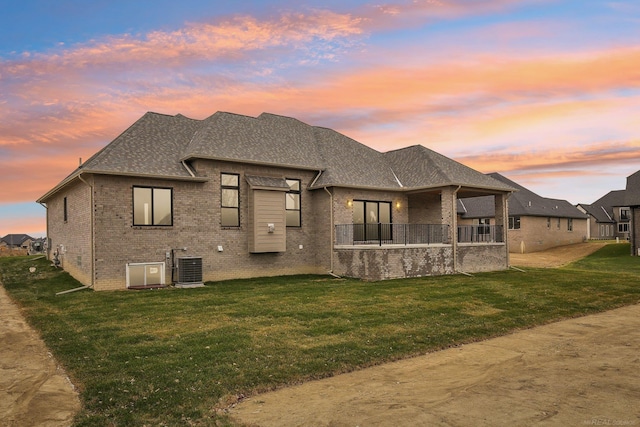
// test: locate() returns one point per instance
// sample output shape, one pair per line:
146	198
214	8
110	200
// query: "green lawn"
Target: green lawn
171	356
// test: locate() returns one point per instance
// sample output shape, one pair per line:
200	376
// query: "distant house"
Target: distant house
16	241
609	216
536	223
632	199
178	200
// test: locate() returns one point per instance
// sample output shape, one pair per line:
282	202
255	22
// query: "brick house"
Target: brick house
16	241
632	200
233	196
609	216
536	223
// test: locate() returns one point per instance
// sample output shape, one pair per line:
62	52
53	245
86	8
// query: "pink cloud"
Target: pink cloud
559	161
75	100
196	42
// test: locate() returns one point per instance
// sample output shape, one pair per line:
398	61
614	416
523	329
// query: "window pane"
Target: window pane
161	206
293	184
229	180
141	206
385	213
372	212
229	198
154	274
358	212
229	217
293	218
136	275
292	201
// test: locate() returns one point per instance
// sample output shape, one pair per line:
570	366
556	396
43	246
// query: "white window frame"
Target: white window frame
161	266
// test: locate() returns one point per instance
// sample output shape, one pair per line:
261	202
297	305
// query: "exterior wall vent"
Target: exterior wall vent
189	272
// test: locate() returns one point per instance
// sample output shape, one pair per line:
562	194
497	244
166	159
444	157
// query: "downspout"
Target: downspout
454	228
331	229
93	237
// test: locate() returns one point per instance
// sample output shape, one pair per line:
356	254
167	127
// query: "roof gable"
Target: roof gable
420	167
267	139
151	146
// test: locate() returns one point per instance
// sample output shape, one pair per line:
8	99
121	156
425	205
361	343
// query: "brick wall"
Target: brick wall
196	226
371	263
534	235
72	238
482	257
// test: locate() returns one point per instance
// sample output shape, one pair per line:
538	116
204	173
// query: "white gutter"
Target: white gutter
315	179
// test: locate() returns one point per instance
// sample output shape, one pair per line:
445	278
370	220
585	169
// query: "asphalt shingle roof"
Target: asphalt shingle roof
16	239
157	145
523	202
598	212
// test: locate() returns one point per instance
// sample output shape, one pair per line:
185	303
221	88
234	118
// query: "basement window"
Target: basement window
145	275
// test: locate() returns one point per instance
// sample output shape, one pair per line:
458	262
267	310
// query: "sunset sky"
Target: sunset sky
546	92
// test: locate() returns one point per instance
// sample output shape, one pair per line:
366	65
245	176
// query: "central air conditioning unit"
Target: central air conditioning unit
189	272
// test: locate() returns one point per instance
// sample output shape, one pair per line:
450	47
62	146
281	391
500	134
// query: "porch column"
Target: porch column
448	205
502	218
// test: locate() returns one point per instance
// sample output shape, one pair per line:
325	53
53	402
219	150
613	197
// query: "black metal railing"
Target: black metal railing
480	234
391	234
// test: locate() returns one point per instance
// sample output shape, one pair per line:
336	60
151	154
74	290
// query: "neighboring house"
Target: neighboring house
16	241
536	223
178	200
632	199
609	216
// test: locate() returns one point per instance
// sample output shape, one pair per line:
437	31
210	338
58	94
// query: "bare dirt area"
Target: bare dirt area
34	391
583	371
555	257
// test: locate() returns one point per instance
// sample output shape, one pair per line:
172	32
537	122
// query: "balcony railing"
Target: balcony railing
391	234
480	234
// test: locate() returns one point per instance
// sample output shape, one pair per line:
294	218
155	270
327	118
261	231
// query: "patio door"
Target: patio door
371	220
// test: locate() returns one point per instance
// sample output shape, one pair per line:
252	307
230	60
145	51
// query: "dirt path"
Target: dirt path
555	257
33	390
584	371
